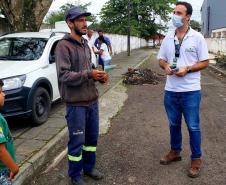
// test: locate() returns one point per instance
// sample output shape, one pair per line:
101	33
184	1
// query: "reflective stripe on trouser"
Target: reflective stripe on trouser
83	126
74	158
89	148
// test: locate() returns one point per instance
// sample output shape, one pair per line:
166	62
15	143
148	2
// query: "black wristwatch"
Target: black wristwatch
189	69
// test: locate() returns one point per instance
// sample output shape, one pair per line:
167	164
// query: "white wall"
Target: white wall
217	44
119	42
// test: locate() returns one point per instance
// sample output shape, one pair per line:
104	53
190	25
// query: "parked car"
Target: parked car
28	69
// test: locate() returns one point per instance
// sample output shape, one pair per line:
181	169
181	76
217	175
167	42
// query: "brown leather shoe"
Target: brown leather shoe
172	156
195	168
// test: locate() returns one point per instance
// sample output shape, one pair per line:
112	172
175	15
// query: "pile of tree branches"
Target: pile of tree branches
141	76
221	61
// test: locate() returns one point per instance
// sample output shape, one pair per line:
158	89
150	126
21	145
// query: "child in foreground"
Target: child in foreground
8	167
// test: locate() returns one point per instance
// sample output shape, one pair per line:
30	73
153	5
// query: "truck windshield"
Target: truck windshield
21	48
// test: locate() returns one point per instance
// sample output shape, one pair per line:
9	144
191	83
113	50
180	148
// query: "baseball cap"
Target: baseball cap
75	12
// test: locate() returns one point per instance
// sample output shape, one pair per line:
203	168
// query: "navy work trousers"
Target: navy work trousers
83	126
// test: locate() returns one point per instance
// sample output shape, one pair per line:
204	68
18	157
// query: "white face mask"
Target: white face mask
177	21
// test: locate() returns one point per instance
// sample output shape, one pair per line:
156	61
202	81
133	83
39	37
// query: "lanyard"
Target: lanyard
177	45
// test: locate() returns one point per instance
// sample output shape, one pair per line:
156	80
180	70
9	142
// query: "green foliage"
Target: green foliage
114	16
28	13
59	15
195	25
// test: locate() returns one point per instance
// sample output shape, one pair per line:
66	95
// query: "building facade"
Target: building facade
213	14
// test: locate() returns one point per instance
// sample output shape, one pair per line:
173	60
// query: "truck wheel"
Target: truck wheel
41	104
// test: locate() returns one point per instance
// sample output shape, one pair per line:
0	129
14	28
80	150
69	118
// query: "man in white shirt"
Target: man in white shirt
91	40
183	54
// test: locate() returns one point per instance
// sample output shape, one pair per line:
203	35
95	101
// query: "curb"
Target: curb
117	92
217	70
29	168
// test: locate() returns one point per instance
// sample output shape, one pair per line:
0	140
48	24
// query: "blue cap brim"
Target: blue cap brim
86	14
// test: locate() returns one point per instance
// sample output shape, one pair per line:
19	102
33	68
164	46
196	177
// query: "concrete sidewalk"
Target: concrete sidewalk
34	144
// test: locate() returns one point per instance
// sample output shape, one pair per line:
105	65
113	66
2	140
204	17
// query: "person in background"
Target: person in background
108	43
103	52
8	167
90	39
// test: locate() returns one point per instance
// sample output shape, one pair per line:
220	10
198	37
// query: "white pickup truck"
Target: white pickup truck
28	69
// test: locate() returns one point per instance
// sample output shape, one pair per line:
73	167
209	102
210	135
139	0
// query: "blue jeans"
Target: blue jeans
83	127
4	178
101	62
186	104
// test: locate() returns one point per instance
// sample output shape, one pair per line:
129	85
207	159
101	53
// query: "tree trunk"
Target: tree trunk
25	15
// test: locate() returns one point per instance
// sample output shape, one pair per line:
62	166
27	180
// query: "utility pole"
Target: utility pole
129	27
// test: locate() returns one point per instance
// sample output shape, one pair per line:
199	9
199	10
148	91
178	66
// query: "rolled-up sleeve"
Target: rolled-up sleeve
162	52
203	53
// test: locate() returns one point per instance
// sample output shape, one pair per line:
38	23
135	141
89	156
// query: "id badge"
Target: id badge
174	64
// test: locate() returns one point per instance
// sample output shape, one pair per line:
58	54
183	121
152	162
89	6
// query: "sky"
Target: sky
196	4
96	6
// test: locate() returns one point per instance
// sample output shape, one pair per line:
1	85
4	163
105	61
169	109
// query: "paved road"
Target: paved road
139	136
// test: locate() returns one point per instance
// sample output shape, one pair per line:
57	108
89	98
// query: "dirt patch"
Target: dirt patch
141	76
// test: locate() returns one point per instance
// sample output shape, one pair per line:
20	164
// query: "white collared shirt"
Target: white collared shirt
91	46
193	50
